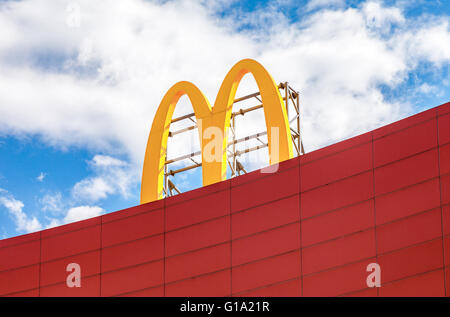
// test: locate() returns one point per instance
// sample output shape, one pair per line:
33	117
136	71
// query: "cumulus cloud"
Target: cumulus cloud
105	161
99	83
75	214
426	40
24	223
92	189
429	89
82	212
52	202
54	222
107	93
58	212
112	176
381	17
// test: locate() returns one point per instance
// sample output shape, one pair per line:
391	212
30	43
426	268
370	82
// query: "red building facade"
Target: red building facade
309	229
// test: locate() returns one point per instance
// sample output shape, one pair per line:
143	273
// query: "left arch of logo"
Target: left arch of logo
218	116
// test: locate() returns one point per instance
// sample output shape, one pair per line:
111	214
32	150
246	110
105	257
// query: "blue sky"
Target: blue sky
80	82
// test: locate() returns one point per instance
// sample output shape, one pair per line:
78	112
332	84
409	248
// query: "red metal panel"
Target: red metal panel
447	250
265	189
424	285
71	227
265	217
443	109
336	148
444	129
133	253
411	261
339	194
133	211
337	252
133	278
445	189
188	212
20	239
285	289
268	170
148	292
31	293
17	280
412	140
337	166
446	219
198	193
337	230
369	292
56	271
338	281
199	262
20	255
210	285
405	123
444	159
338	223
90	287
70	243
408	201
198	236
134	227
266	244
265	272
409	231
406	172
447	280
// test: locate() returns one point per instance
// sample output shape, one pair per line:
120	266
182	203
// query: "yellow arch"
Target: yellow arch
152	183
219	116
274	109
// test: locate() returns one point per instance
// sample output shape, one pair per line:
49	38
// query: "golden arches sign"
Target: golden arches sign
216	117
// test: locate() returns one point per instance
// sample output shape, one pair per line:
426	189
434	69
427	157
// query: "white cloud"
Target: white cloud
429	41
381	17
113	176
107	93
106	161
97	86
429	89
26	224
76	214
82	212
52	202
108	76
23	222
54	223
41	177
92	189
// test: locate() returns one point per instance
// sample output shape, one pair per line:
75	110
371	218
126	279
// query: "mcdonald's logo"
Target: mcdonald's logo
213	122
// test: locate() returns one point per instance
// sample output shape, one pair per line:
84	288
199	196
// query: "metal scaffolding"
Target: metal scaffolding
291	99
